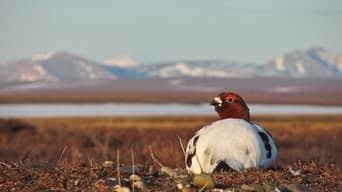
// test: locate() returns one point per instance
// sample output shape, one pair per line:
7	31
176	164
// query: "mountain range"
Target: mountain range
63	66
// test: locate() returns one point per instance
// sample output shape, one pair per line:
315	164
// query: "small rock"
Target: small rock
100	185
108	164
137	182
268	188
294	172
203	181
224	190
182	182
170	172
118	188
129	170
77	182
111	181
185	189
298	188
253	187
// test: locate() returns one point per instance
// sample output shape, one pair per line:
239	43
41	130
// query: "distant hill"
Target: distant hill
315	62
63	66
53	66
312	63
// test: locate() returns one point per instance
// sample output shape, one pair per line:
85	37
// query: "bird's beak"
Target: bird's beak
217	102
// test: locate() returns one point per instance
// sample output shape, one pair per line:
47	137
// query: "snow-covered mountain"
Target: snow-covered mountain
208	68
62	66
53	66
315	62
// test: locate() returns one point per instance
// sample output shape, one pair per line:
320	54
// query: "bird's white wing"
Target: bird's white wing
233	141
270	150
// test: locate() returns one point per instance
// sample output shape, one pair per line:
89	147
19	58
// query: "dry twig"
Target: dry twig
62	154
5	164
132	156
154	158
163	168
181	144
118	165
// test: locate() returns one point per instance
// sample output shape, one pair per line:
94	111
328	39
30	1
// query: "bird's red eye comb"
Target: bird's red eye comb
230	95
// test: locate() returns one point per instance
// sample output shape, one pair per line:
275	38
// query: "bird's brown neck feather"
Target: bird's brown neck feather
233	111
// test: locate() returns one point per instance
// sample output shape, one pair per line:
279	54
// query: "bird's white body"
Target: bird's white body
237	142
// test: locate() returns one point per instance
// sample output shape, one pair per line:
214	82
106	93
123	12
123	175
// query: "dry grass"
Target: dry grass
42	139
55	153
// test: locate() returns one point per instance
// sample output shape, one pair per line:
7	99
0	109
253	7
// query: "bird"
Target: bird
233	140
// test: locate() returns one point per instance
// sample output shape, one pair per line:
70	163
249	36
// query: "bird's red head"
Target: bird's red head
230	105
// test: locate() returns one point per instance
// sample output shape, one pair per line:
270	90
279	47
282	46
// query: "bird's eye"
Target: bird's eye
230	100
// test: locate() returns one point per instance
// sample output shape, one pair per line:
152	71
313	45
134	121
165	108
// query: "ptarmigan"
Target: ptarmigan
233	140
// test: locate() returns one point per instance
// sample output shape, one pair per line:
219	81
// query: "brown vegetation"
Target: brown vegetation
58	147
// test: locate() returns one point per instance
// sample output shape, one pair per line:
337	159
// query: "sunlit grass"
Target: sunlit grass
308	137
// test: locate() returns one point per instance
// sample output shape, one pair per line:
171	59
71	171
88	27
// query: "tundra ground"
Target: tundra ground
67	153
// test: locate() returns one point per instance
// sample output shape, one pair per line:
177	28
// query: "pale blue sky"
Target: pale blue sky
233	30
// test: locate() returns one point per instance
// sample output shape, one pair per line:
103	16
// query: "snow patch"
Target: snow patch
183	69
331	59
88	69
300	67
180	68
339	66
219	74
39	69
28	77
280	63
92	76
42	56
125	61
38	72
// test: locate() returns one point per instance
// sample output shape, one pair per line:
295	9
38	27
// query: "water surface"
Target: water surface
145	109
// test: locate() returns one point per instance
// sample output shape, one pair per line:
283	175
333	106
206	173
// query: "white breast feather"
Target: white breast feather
234	141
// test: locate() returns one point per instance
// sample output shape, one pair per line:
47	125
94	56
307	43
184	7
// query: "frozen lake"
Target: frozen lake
145	109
